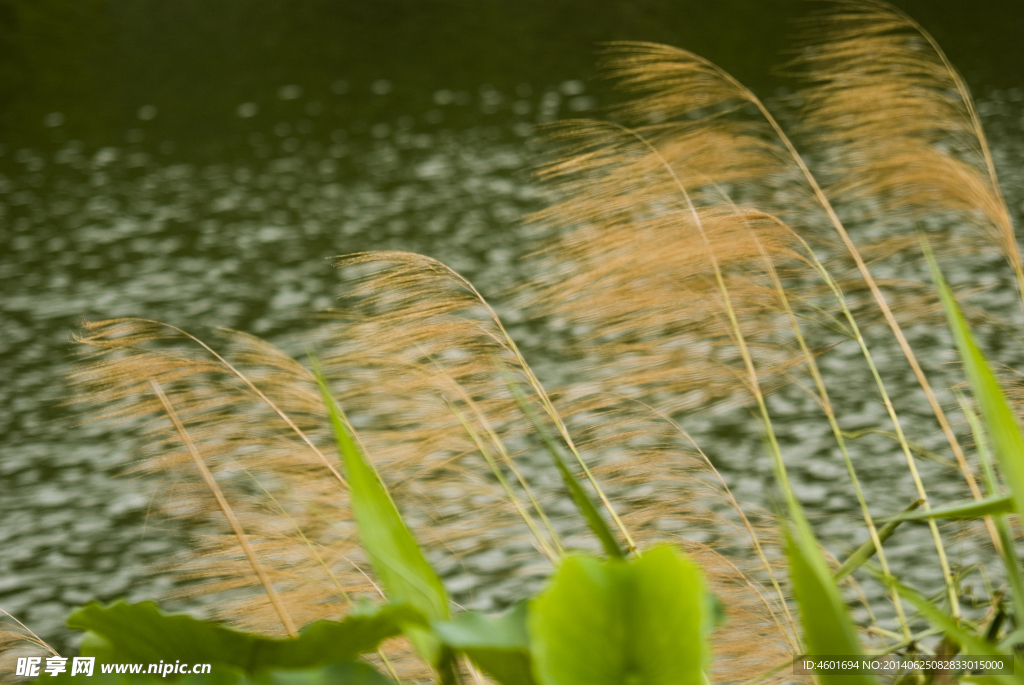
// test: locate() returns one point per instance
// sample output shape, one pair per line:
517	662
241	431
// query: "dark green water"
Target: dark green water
199	162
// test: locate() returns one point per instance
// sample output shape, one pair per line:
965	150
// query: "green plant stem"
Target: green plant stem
549	407
1007	548
866	550
826	406
746	522
545	547
229	514
576	491
891	410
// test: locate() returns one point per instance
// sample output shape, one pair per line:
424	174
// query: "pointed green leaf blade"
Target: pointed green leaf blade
579	496
828	629
961	511
614	622
1007	441
397	560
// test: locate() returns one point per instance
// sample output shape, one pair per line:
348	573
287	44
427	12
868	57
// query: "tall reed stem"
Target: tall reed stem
229	513
901	438
826	406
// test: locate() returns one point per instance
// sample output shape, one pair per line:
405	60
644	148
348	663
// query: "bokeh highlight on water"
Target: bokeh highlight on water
120	231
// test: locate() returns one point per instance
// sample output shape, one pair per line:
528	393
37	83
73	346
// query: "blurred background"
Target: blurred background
199	161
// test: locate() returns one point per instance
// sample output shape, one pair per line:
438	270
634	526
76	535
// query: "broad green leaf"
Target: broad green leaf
500	645
579	496
1007	441
868	549
141	633
620	622
397	560
828	629
971	509
346	673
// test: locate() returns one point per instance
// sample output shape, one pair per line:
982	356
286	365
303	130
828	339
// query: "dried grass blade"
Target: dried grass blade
259	393
229	514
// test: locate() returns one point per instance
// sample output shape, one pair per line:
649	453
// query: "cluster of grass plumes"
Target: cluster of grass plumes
699	259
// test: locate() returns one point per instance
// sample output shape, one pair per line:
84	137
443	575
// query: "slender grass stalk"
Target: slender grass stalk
510	344
755	387
792	633
473	672
229	514
739	339
576	492
880	300
551	553
252	386
746	94
826	405
298	530
31	637
506	457
915	447
891	410
748	362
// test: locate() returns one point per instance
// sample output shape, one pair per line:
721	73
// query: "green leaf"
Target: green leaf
500	645
868	549
141	633
397	560
579	496
969	642
621	622
1008	552
714	613
827	626
1007	441
971	509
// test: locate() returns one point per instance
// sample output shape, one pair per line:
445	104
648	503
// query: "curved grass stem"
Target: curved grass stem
894	418
826	406
229	514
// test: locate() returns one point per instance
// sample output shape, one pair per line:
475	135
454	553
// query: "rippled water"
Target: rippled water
101	233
